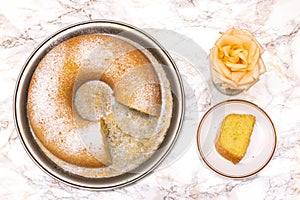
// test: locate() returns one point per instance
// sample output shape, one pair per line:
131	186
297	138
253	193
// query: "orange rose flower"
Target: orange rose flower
236	60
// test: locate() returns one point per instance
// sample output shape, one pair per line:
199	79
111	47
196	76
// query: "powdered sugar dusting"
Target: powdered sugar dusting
46	108
66	136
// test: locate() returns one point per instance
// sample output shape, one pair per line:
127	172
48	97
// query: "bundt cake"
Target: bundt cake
234	137
54	118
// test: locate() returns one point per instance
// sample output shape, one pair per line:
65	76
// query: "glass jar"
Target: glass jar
222	86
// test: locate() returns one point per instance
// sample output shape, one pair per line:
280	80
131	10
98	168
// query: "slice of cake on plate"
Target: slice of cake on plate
234	137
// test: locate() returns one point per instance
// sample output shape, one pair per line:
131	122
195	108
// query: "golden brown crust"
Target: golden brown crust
120	66
226	154
134	67
151	99
60	78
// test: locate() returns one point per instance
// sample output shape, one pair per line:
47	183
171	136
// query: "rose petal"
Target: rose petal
229	82
235	31
226	50
219	53
252	48
243	56
232	59
247	78
246	86
253	58
237	46
236	67
222	68
228	40
212	53
236	52
217	64
237	76
262	67
255	40
244	38
255	73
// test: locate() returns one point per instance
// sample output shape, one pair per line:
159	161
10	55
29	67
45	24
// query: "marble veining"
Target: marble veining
193	26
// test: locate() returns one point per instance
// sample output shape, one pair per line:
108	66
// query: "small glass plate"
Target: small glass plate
262	142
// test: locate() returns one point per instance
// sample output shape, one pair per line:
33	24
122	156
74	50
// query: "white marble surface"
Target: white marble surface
275	23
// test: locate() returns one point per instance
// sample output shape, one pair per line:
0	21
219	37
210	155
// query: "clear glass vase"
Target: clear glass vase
222	86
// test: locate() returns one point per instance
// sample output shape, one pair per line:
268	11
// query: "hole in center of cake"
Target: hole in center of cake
93	100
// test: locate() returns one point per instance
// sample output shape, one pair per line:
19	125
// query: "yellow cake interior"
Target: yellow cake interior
234	137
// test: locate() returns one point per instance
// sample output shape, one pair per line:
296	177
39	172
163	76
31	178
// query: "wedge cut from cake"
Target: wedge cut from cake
234	136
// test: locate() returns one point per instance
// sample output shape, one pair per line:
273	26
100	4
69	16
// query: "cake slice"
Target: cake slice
234	137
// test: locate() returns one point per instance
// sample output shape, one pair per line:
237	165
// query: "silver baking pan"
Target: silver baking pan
27	136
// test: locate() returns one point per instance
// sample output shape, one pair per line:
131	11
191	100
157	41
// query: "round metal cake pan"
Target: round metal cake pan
26	134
